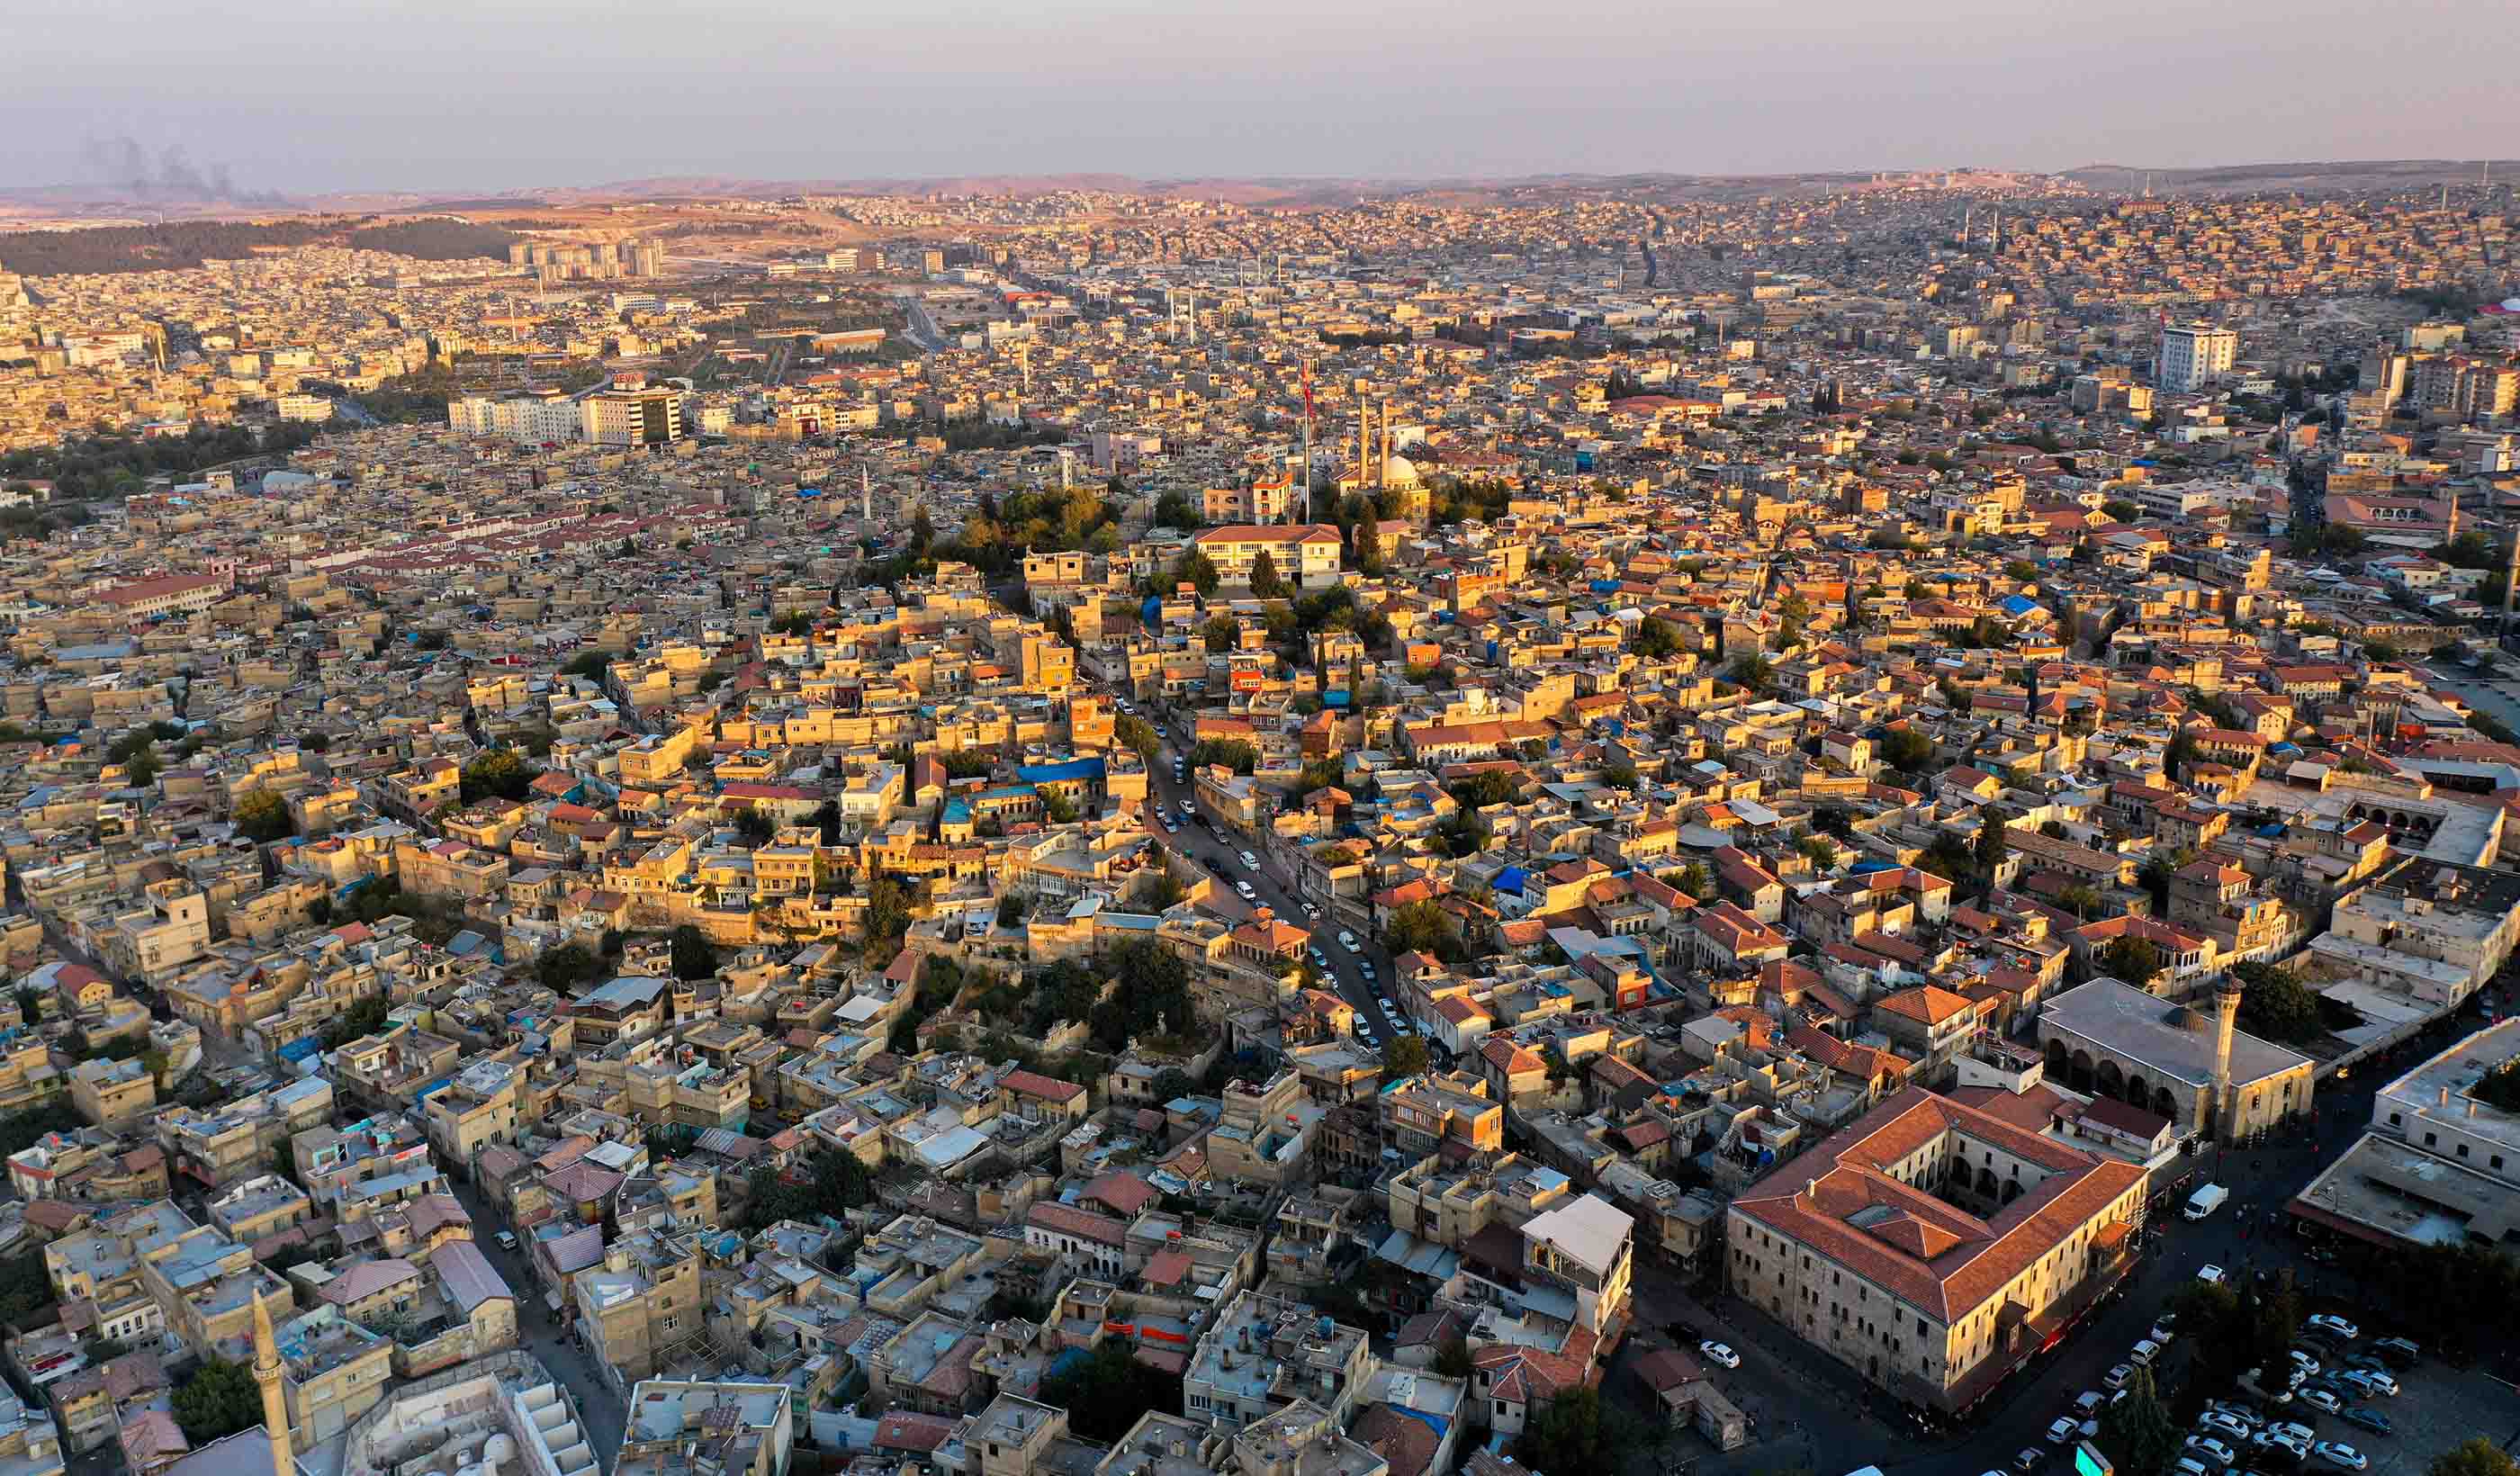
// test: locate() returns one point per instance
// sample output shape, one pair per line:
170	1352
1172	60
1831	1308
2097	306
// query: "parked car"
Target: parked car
2332	1324
2211	1276
507	1240
2144	1353
2362	1384
2163	1332
2293	1430
2063	1430
2221	1452
2399	1353
2368	1418
2117	1376
2232	1408
2304	1362
1347	940
2028	1460
1365	967
2321	1401
2335	1453
1719	1353
2223	1425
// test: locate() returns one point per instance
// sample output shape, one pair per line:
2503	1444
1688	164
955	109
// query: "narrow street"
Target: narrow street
599	1408
1272	883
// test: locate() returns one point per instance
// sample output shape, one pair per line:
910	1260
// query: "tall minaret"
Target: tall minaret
275	1409
2226	1013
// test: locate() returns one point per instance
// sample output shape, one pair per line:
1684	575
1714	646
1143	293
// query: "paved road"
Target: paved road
1272	883
599	1408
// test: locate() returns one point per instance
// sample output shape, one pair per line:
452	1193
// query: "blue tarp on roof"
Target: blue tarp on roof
2016	604
1867	868
300	1049
1051	774
1334	700
1604	586
1510	879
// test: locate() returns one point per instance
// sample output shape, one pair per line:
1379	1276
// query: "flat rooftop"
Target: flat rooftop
2384	1189
2442	1088
2167	1039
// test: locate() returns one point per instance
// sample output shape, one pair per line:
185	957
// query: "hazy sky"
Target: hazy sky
466	94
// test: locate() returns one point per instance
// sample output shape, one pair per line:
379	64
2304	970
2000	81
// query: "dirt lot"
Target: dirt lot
2437	1407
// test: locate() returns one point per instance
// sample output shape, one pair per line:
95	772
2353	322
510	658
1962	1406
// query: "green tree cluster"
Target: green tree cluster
1107	1394
500	773
220	1399
263	815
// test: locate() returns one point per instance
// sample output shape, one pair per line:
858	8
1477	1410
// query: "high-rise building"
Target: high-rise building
2192	353
650	416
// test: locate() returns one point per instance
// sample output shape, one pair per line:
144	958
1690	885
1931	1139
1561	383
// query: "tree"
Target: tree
1753	672
1174	510
1416	927
1234	753
501	774
1403	1056
1453	1360
1657	638
1573	1432
2476	1456
1107	1394
1990	852
2276	1006
2131	959
220	1399
2120	511
563	968
1265	579
1196	569
2136	1432
756	825
1137	736
262	815
1221	633
693	955
1907	750
1012	908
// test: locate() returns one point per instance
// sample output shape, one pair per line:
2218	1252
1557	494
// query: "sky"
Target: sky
457	94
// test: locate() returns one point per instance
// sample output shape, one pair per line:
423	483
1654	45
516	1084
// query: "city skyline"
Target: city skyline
537	97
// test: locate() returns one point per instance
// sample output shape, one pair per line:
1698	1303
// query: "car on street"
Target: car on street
2163	1332
1189	807
1347	940
2340	1455
1311	911
2063	1430
2028	1460
2368	1418
507	1240
1365	967
1717	1353
2117	1376
2221	1452
1172	827
2146	1351
1250	863
2211	1276
2321	1401
2332	1324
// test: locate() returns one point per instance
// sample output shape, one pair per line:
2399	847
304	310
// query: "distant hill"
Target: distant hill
2309	177
190	242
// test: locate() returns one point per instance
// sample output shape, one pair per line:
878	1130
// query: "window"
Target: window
2430	1139
2462	1150
1501	1407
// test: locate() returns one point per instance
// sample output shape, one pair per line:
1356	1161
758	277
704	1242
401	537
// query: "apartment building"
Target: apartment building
2189	355
107	1092
1305	553
641	1301
2440	1163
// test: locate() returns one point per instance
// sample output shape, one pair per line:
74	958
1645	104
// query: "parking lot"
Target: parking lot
2437	1407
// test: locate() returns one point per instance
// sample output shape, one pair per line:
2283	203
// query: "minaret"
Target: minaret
1381	468
275	1409
2227	1015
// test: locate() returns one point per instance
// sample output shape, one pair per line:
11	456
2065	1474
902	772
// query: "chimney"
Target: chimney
2227	1015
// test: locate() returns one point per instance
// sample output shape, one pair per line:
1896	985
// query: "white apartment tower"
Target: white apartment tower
2192	353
